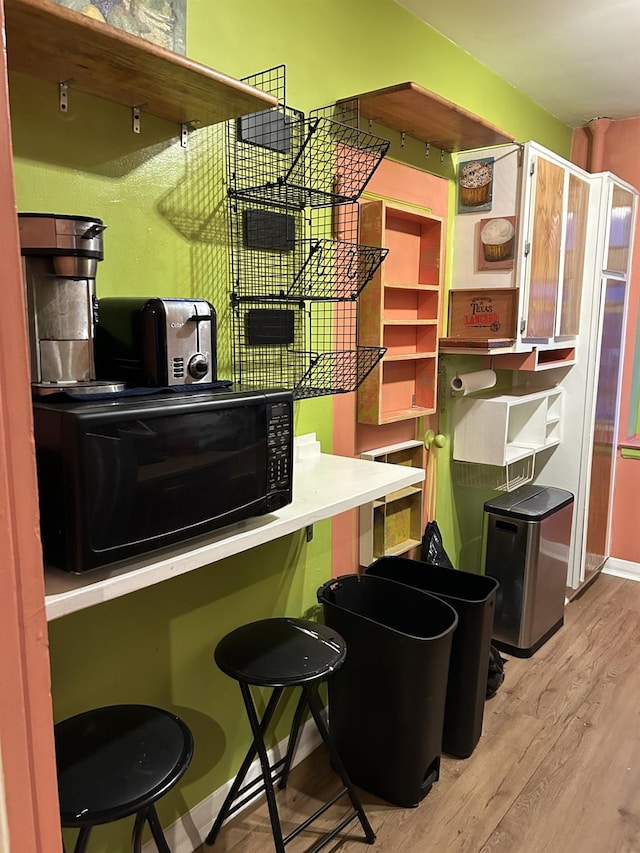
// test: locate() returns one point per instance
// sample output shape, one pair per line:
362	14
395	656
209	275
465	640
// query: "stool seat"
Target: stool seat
117	761
280	652
283	653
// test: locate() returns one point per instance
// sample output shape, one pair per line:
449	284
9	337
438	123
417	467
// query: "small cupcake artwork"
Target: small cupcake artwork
496	243
475	185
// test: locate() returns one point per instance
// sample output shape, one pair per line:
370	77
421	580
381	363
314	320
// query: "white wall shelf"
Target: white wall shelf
500	429
324	486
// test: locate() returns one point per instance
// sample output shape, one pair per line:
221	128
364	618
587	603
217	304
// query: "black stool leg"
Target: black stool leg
258	738
316	711
136	836
293	737
150	816
244	769
156	830
83	838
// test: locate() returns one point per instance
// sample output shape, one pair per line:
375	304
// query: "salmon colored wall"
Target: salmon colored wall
26	724
411	186
620	155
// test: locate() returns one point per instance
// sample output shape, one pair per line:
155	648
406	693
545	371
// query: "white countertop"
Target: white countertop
323	486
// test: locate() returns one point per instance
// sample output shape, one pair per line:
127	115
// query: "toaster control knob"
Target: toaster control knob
198	366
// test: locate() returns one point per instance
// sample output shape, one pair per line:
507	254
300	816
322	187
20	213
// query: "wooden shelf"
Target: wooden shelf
402	547
400	310
414	110
410	356
463	346
402	493
410	286
393	526
391	416
58	44
433	322
537	359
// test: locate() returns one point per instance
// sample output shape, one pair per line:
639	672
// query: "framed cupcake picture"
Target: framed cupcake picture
496	243
475	185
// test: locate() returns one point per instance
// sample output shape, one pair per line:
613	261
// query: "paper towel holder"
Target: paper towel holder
458	382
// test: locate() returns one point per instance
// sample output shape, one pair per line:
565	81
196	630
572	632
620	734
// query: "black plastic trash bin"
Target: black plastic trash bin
473	597
386	703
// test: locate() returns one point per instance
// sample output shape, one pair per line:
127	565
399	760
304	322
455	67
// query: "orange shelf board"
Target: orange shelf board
58	44
420	113
410	322
401	286
476	343
410	356
405	414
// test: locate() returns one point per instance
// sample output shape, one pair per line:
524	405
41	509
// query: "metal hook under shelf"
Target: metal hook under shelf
63	94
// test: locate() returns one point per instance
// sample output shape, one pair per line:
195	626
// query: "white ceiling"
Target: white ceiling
579	59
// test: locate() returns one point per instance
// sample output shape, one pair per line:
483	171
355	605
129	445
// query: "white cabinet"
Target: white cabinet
585	462
529	240
501	429
392	525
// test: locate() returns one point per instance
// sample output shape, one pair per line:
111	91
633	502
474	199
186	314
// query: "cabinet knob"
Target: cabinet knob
430	438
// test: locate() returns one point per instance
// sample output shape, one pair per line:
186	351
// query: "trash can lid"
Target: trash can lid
530	503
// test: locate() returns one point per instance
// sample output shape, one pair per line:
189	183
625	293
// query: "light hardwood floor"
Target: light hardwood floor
557	769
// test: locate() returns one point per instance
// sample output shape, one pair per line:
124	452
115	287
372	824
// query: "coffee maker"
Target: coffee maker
60	256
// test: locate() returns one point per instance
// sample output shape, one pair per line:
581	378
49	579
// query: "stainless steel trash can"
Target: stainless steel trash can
526	541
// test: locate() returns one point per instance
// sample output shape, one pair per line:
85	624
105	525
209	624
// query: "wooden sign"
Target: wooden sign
483	314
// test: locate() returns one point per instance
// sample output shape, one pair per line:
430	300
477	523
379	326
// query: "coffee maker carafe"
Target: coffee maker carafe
60	258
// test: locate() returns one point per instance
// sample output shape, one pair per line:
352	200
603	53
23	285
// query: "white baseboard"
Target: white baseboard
622	569
189	831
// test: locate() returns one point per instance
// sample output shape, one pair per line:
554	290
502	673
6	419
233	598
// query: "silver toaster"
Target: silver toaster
156	341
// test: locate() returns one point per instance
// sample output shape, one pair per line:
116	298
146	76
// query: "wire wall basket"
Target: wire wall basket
337	372
310	347
500	478
286	254
283	158
297	264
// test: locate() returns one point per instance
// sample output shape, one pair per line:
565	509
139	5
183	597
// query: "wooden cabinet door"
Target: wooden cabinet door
545	249
575	241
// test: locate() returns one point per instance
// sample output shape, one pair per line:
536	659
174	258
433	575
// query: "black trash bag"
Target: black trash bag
432	550
495	676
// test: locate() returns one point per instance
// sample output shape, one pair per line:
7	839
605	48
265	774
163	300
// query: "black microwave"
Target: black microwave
122	477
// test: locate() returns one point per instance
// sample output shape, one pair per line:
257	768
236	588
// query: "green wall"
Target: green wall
164	207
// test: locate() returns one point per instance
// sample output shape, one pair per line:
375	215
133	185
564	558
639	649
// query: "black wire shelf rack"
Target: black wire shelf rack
297	264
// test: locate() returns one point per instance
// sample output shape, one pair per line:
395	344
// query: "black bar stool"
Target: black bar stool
281	653
117	761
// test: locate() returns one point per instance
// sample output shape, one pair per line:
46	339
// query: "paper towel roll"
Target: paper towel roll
479	380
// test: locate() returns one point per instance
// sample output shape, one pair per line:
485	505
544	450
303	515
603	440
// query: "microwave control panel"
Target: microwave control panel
279	454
